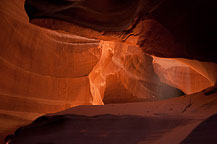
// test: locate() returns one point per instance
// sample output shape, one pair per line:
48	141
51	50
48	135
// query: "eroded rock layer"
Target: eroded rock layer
186	119
47	70
190	76
44	70
124	73
177	28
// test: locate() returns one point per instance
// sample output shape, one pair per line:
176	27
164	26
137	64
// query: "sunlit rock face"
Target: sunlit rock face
42	70
60	65
125	73
190	76
45	70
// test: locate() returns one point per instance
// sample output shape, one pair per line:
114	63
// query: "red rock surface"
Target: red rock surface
178	120
165	28
45	70
48	70
190	76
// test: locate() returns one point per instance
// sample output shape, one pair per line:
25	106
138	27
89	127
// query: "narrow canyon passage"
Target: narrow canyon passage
76	55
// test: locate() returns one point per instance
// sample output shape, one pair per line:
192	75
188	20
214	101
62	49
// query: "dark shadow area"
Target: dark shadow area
106	15
191	23
205	133
101	129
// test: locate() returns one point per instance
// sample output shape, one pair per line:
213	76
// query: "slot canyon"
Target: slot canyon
108	72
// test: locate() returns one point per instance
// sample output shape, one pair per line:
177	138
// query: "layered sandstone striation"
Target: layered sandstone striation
190	76
44	70
47	70
165	28
124	73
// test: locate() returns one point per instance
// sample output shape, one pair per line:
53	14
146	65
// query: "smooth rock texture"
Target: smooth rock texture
38	64
47	70
41	70
101	129
124	73
190	76
165	28
190	119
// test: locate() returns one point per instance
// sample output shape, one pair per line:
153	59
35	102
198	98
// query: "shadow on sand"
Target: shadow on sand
109	129
100	129
205	133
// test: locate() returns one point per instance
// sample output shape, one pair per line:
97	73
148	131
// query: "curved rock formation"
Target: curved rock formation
47	70
38	64
124	73
177	28
190	76
168	121
109	15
